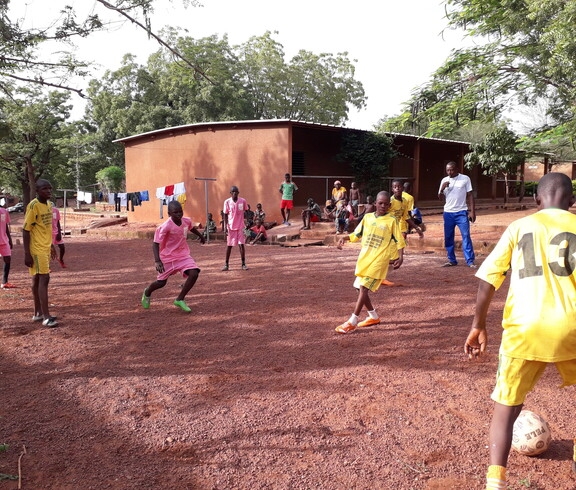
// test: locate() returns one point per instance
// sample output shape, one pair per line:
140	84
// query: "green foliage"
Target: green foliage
250	81
497	153
32	122
112	178
5	476
369	155
4	447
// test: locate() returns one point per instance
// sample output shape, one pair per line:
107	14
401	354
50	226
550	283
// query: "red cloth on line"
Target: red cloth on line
169	190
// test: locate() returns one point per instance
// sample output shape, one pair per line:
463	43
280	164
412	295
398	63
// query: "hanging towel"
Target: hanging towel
144	196
111	198
88	197
169	190
161	208
181	198
179	188
123	198
160	192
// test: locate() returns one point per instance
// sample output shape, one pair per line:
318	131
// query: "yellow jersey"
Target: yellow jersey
400	211
381	240
538	252
38	221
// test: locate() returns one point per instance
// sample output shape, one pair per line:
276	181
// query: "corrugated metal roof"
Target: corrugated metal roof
270	121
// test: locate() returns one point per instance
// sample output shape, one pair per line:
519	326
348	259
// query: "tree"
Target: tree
111	178
369	155
32	123
314	88
497	154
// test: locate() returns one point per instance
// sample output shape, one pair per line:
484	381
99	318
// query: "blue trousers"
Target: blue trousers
460	220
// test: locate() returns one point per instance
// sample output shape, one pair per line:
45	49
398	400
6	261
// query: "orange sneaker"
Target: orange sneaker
345	328
369	322
7	285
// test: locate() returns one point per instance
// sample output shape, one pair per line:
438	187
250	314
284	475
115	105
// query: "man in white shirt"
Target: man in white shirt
456	190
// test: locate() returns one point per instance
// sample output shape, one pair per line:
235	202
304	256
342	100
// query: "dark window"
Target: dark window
298	167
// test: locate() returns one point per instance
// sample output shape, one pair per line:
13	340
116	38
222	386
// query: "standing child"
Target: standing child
234	225
355	198
57	235
287	189
5	247
539	321
38	249
399	207
172	255
382	244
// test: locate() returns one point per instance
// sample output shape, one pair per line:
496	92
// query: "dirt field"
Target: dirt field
254	389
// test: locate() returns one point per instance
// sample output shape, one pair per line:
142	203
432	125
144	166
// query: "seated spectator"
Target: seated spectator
343	214
339	193
248	217
418	220
259	213
210	225
328	212
368	207
222	221
311	214
258	233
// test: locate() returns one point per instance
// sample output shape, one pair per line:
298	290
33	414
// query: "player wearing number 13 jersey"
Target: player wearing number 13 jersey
539	318
538	252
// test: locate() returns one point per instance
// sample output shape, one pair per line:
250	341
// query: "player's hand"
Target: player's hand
159	266
202	240
52	252
476	342
444	185
420	233
340	244
473	217
396	263
28	260
10	243
58	237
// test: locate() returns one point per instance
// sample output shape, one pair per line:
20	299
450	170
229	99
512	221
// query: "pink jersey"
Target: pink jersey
172	240
4	220
55	220
235	212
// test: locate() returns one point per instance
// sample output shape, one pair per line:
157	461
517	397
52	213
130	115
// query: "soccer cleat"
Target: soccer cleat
145	300
345	328
244	267
62	264
182	305
225	268
7	285
449	264
369	322
50	322
473	266
38	318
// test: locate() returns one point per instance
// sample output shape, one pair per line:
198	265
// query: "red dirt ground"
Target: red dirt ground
254	389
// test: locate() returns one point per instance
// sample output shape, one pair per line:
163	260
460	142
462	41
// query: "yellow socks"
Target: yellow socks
496	478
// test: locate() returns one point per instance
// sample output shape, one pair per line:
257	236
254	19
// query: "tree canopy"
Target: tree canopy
525	51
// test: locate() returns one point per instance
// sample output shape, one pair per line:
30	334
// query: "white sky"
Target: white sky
397	44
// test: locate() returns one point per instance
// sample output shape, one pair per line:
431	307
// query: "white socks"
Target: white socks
372	314
353	320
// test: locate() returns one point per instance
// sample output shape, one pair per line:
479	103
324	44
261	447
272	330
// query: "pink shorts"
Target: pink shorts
286	204
56	242
5	250
179	265
236	237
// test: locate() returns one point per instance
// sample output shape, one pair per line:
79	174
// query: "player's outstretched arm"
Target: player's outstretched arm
199	235
477	340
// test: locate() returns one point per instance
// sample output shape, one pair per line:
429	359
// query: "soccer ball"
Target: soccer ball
531	435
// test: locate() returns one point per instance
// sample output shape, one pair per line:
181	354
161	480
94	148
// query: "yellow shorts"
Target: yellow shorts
41	264
368	282
516	378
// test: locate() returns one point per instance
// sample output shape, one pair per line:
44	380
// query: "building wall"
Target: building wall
255	158
534	171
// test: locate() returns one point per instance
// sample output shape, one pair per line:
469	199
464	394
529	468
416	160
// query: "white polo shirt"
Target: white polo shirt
456	193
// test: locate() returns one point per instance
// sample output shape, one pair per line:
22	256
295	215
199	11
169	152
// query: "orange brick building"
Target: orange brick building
255	155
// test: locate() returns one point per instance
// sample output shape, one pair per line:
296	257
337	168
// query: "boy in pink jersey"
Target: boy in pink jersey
5	247
234	208
57	235
172	255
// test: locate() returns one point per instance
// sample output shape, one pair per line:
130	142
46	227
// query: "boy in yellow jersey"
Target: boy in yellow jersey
539	317
38	250
400	207
382	244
